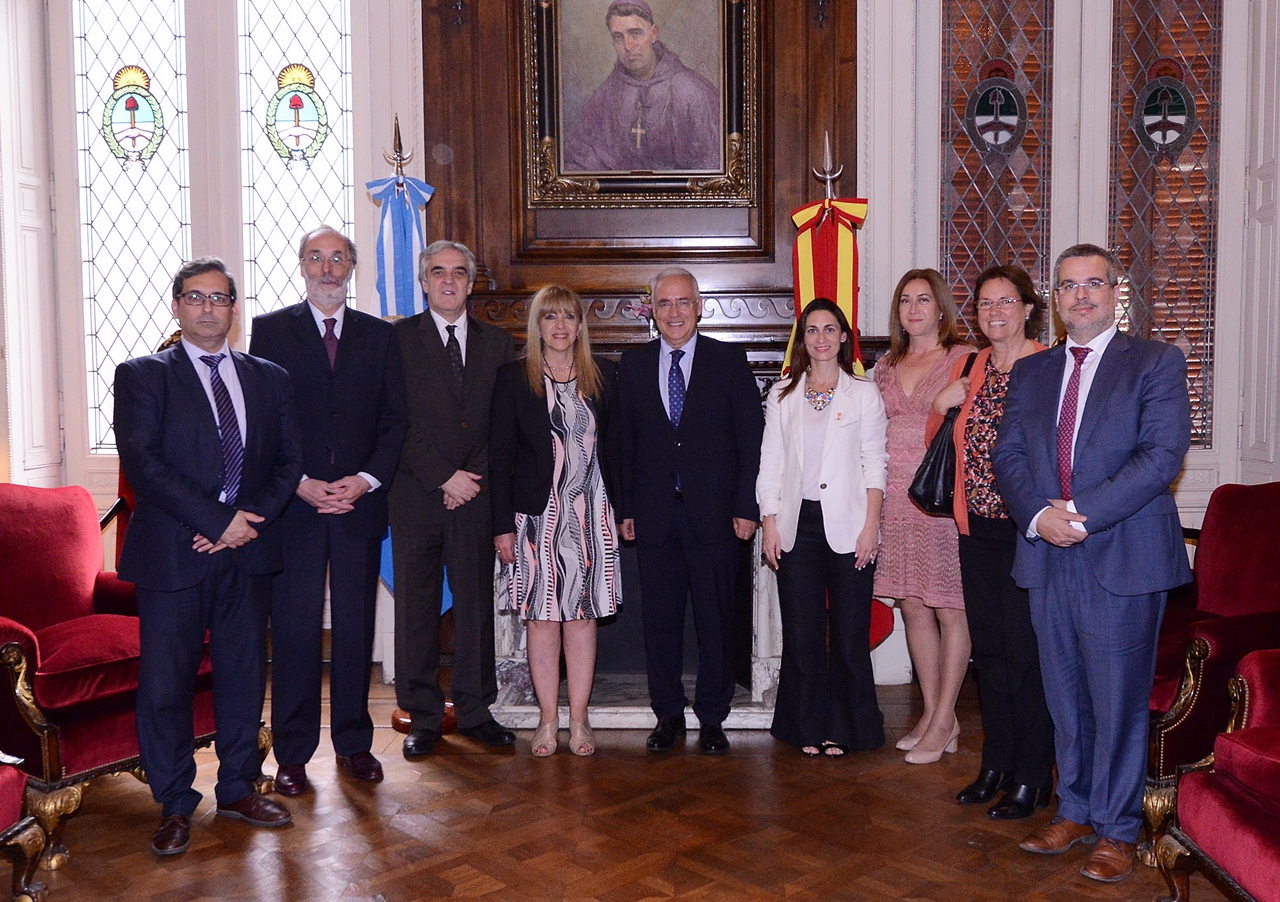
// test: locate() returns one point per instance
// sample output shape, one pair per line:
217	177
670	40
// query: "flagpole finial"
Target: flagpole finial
399	158
827	176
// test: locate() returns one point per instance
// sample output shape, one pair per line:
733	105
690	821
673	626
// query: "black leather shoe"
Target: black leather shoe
257	810
984	788
419	743
291	779
490	733
1019	802
665	734
711	739
361	766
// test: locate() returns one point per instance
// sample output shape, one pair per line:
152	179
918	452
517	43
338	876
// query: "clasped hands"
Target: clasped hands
239	532
337	497
1055	525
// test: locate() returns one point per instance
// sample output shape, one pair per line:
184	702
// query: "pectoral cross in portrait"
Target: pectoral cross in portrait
638	129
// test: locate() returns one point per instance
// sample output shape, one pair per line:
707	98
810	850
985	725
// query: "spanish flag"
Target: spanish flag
825	260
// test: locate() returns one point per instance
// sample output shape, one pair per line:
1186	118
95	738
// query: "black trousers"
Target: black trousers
1017	729
668	574
230	606
316	545
421	554
826	688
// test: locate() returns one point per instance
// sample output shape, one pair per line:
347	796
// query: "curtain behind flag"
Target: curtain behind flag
824	260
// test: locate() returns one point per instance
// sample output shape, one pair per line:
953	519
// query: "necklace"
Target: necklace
819	399
558	369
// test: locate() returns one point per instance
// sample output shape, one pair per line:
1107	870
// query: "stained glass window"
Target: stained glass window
996	83
131	131
1164	180
295	96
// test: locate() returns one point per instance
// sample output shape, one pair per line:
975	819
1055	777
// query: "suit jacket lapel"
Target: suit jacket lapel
1104	381
841	411
436	353
189	380
304	327
476	346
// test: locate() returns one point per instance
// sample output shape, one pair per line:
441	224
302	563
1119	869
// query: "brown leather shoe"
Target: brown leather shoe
257	810
361	766
172	836
1057	836
1110	861
291	779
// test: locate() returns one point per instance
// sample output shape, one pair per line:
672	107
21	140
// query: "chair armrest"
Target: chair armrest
112	595
1258	682
120	507
1203	707
13	632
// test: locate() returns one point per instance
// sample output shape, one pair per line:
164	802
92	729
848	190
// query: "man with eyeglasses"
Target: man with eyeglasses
1094	433
349	392
207	439
691	431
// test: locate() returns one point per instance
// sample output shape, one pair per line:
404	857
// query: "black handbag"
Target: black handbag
934	485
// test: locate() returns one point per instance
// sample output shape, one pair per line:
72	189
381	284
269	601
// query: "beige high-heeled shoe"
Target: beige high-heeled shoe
582	739
544	740
908	742
924	756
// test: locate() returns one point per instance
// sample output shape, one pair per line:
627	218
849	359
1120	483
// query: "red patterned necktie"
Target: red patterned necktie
331	340
1067	423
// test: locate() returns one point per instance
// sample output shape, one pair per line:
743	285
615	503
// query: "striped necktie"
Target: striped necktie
228	429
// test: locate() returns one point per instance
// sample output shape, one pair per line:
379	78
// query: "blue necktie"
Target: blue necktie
228	429
675	389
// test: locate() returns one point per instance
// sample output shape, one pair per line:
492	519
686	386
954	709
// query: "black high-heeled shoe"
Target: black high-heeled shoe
984	788
1019	802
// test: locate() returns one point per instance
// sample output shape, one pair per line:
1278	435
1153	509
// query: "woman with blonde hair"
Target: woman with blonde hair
552	459
919	561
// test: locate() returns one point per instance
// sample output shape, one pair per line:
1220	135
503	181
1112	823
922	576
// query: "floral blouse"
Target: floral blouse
980	490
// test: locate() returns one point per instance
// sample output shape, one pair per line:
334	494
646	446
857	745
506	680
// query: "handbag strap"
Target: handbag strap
953	413
968	364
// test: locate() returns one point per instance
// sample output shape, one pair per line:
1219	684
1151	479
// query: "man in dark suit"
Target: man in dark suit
349	393
1094	433
440	504
691	430
208	441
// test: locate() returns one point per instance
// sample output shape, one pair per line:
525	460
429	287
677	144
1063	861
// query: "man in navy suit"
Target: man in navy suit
349	392
691	429
208	441
1094	433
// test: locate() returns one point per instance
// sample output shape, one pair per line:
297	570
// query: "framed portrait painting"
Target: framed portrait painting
640	103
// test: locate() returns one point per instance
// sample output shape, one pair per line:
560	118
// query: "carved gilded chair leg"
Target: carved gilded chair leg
264	784
1176	865
24	848
1158	803
50	810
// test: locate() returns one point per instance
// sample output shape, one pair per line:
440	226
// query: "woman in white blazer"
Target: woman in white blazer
823	469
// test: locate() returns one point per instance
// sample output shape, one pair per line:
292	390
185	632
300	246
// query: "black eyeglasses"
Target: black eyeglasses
197	299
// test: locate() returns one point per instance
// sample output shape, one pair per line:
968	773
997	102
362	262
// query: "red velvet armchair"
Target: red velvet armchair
1230	609
69	653
20	837
1228	811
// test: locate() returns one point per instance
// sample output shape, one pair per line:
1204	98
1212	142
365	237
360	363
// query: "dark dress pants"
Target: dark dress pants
668	574
316	545
231	607
421	555
1016	727
1098	657
826	688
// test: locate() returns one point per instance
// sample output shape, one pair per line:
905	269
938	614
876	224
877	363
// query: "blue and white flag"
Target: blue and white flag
400	239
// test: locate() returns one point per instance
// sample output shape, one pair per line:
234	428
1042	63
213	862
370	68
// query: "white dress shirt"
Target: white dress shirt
460	331
320	316
664	367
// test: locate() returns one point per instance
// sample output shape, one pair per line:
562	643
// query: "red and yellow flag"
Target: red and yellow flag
825	260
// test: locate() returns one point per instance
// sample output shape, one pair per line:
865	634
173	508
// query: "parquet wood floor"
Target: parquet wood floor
760	823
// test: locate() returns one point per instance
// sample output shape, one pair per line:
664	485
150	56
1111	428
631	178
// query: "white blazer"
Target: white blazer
854	460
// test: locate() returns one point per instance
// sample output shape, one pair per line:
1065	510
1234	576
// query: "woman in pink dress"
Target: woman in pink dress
919	561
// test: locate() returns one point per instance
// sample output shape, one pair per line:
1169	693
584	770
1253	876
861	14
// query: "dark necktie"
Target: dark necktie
331	340
675	389
1067	423
455	354
228	429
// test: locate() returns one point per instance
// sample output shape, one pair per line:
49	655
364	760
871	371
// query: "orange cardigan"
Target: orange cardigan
960	509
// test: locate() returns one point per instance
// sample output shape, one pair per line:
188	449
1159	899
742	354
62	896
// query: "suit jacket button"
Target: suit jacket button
822	485
464	424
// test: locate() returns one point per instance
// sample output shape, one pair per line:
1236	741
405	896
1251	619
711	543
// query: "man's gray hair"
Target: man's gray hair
669	273
632	8
320	230
436	247
1115	271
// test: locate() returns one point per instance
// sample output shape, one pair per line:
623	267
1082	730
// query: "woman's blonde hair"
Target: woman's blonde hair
558	299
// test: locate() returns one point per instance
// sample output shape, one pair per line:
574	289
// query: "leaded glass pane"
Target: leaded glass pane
995	192
131	102
1164	180
295	96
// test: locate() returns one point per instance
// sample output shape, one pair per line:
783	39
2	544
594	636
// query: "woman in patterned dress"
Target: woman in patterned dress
552	458
918	562
1017	732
